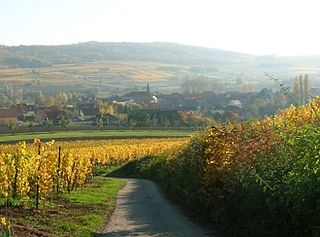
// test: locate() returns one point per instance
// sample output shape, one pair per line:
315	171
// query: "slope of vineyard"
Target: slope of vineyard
258	178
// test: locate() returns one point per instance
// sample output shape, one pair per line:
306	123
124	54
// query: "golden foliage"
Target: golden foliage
27	169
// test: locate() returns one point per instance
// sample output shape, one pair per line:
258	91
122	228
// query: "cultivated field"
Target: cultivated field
108	76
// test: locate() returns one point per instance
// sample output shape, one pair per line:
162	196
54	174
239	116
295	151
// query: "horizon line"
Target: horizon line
159	42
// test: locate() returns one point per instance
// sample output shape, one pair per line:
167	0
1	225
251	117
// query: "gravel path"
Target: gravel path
142	210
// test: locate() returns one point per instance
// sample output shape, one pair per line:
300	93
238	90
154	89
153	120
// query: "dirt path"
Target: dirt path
143	211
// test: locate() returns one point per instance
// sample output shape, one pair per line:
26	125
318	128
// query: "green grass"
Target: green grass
80	213
92	134
97	192
95	203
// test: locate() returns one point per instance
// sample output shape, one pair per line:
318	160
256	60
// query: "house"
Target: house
69	108
234	109
154	99
29	116
51	113
140	97
26	111
217	110
8	115
235	103
87	111
124	102
86	114
233	112
21	108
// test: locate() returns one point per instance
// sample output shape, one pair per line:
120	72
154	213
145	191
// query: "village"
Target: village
137	109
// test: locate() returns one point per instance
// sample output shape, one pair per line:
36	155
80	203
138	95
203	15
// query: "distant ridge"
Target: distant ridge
40	55
163	52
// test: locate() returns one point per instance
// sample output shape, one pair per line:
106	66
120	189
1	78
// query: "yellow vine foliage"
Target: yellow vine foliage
30	169
227	144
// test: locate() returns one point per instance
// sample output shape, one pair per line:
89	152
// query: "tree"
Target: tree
165	124
301	89
132	124
12	127
196	85
62	97
40	99
265	94
18	101
122	120
139	116
256	105
107	109
100	124
110	109
50	100
2	103
48	125
64	123
30	125
279	99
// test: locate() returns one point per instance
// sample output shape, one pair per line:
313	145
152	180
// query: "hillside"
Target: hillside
121	67
39	56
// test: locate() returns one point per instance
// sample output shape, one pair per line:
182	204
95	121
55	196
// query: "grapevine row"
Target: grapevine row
37	171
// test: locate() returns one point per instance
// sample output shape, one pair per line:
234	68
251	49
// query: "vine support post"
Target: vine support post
58	169
38	179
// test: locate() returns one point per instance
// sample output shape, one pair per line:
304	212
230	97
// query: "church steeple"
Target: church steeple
148	88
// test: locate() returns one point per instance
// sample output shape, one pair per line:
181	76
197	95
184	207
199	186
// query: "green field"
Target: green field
87	135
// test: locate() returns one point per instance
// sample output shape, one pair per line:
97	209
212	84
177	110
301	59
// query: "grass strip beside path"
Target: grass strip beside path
80	213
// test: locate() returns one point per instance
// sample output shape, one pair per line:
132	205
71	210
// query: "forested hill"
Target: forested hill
39	56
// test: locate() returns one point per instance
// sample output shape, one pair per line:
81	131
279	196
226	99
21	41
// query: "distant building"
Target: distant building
86	114
50	113
154	99
235	103
124	102
24	108
8	115
140	97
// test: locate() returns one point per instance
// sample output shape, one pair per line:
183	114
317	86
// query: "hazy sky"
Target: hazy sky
281	27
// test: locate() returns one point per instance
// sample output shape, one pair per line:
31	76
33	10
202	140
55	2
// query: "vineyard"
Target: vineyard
257	178
31	173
